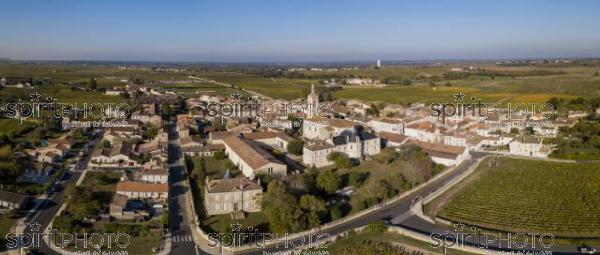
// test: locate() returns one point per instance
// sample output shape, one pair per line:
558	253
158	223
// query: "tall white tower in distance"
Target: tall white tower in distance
378	63
312	102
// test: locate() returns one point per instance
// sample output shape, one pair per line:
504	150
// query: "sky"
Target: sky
297	30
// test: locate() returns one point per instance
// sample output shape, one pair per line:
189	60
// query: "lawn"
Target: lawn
214	168
5	224
222	223
519	195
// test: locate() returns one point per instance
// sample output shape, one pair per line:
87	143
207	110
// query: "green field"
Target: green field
272	87
60	93
526	196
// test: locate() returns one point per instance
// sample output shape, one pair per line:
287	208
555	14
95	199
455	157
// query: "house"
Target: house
11	200
118	156
217	137
204	151
356	145
143	190
153	148
387	125
232	195
546	131
392	139
118	205
529	146
422	131
324	128
447	155
155	174
190	141
251	158
272	139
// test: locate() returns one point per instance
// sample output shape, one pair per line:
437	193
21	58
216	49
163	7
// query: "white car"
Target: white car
584	249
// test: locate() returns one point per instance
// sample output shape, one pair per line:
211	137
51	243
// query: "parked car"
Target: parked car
584	249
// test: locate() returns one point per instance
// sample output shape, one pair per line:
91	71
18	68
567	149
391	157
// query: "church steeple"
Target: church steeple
312	101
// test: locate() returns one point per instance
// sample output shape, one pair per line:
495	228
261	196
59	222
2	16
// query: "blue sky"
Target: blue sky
290	30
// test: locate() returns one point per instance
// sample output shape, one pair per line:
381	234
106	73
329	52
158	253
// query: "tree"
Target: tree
312	203
106	144
93	84
335	213
432	83
597	74
282	210
448	84
356	178
219	155
167	110
295	147
328	181
373	111
341	160
412	174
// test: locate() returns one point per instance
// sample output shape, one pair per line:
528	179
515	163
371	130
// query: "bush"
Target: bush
335	213
376	227
356	179
219	155
340	160
357	204
295	147
328	181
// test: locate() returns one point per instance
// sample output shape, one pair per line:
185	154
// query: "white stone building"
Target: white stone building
232	195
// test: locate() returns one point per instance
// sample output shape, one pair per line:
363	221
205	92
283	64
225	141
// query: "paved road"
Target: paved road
50	206
181	231
400	208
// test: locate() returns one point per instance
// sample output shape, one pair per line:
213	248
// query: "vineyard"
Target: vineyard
525	196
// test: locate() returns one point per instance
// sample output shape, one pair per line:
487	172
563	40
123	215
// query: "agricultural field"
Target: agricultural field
272	87
526	196
191	89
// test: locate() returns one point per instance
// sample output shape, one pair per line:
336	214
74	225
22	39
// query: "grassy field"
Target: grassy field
61	93
519	195
387	237
273	87
191	89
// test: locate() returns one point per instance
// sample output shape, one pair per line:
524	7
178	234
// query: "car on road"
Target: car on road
584	249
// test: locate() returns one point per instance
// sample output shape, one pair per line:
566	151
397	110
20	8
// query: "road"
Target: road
179	222
50	206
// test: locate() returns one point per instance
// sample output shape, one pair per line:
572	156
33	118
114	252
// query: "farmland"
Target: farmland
523	196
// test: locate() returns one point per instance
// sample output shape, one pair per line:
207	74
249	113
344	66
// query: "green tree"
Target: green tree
341	160
312	203
328	181
295	147
335	213
356	178
282	210
93	84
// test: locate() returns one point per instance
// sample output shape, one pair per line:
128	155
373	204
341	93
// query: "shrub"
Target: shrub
295	147
335	213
